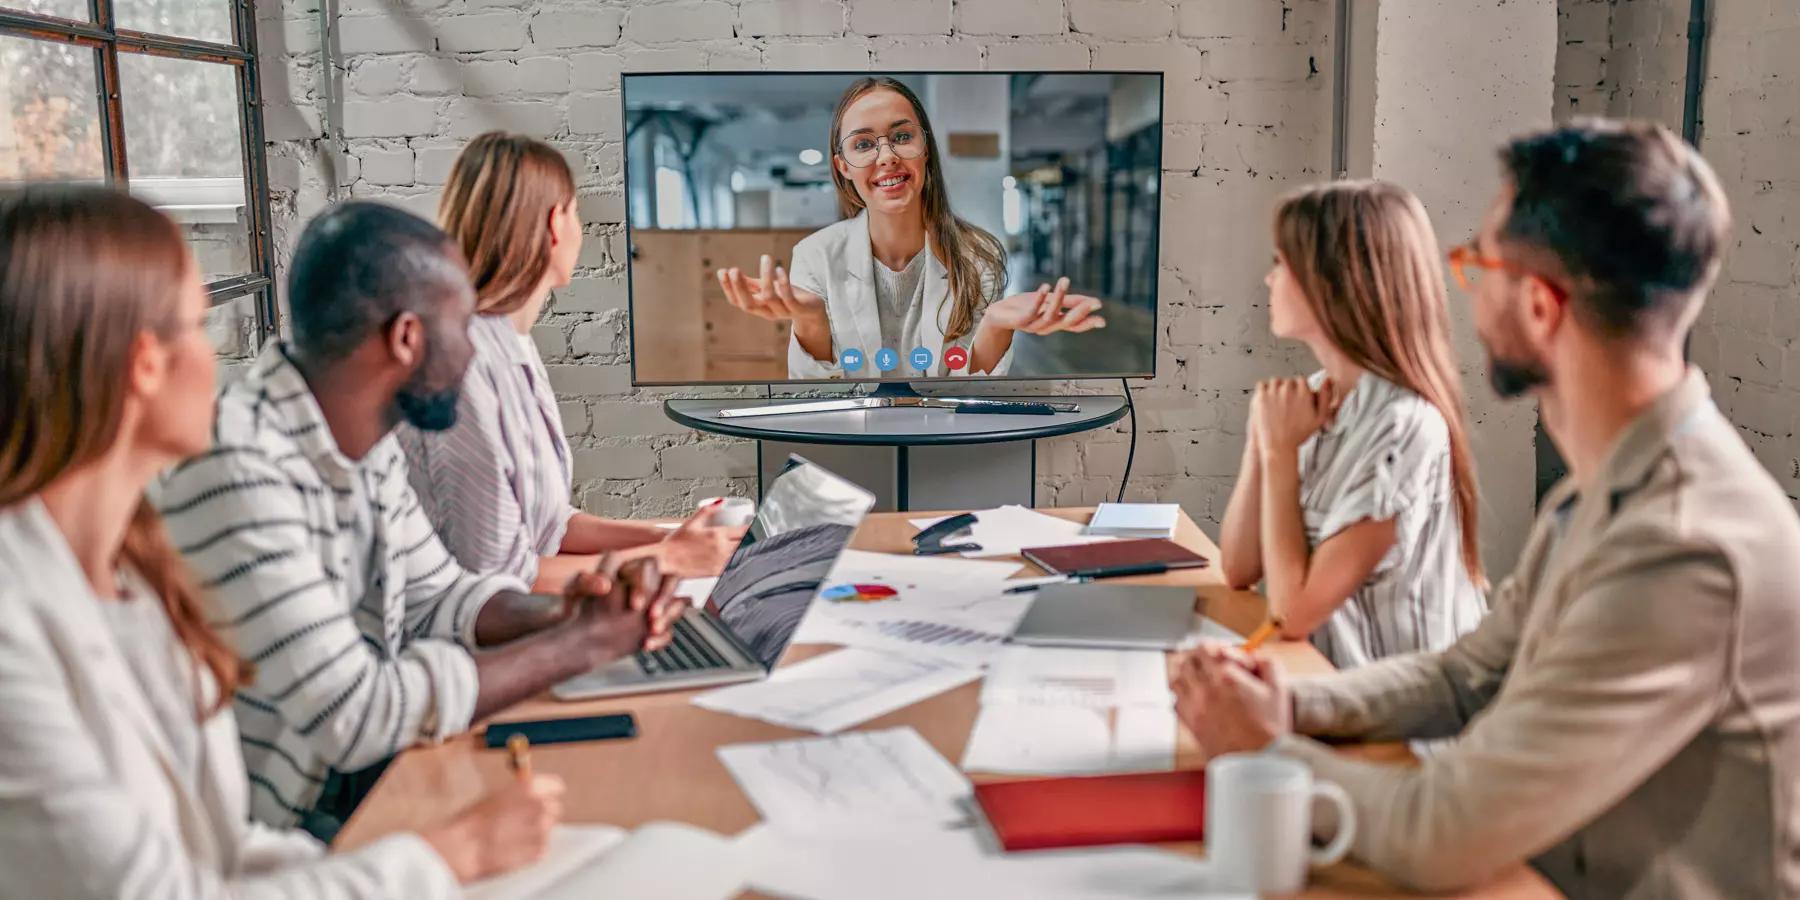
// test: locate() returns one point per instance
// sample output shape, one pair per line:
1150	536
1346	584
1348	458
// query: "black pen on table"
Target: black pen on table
1082	576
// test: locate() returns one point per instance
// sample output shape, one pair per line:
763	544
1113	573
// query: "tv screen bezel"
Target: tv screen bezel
924	380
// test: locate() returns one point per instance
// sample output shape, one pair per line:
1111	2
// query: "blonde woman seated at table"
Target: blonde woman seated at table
901	270
1355	503
497	484
120	773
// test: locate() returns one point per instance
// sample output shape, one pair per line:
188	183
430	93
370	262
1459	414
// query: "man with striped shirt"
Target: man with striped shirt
319	564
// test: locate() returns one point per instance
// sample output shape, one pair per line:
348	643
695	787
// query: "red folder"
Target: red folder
1092	811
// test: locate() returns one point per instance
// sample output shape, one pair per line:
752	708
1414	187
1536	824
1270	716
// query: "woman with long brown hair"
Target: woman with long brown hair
1355	504
866	283
497	484
120	769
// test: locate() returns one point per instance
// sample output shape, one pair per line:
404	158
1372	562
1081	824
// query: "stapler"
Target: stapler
936	540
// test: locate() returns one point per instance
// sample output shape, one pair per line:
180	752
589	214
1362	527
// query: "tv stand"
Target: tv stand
896	395
898	390
910	450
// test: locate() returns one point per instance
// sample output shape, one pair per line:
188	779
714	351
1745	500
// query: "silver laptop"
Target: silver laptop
739	633
1137	616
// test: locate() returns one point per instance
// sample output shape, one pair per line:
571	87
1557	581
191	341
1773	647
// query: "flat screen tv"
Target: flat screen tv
903	226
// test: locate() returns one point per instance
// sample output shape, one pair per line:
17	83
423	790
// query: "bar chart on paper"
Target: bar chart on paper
935	633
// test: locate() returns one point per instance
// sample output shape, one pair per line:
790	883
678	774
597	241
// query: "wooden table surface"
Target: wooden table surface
671	772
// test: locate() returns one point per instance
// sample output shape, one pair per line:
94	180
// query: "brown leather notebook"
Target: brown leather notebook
1113	554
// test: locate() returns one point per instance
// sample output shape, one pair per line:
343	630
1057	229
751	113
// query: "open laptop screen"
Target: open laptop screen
804	525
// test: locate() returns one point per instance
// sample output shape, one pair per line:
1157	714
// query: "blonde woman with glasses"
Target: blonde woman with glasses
497	484
901	272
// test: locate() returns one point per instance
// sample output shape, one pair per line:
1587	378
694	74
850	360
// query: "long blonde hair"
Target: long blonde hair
83	272
502	190
968	253
1367	261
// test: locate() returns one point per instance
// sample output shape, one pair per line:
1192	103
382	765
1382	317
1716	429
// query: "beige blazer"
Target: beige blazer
1629	714
94	803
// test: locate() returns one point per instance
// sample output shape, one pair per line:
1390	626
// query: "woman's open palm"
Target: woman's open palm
1045	311
770	295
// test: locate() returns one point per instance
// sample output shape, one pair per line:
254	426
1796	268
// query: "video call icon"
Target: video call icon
887	360
852	360
956	358
920	358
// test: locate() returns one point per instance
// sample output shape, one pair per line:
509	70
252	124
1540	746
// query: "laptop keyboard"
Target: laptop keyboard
688	652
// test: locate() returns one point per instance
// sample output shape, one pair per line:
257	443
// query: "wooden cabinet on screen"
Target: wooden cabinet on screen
684	329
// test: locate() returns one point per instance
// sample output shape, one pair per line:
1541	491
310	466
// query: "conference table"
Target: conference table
670	771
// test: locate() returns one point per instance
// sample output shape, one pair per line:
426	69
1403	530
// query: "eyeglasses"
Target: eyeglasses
1467	264
862	150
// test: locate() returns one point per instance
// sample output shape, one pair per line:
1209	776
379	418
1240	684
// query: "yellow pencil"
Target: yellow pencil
1263	632
518	755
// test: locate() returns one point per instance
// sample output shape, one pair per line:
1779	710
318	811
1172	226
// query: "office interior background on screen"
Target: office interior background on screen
1062	167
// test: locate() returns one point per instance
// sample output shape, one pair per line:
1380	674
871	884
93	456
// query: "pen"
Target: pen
1032	585
518	755
1263	632
1083	576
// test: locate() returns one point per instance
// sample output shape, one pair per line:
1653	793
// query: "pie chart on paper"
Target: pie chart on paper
858	593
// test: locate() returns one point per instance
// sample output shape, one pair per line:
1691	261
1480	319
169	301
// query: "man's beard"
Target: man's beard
1512	374
1512	378
428	410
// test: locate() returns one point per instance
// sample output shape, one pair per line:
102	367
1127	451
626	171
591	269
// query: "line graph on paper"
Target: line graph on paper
869	778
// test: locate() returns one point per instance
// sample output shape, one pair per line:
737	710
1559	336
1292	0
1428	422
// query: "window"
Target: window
162	97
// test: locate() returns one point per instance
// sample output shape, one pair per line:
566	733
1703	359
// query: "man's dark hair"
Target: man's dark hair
360	264
1629	217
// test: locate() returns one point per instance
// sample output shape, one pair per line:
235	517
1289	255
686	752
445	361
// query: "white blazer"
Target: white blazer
94	803
836	263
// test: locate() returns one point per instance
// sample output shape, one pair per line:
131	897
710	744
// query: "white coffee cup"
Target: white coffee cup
1259	822
731	512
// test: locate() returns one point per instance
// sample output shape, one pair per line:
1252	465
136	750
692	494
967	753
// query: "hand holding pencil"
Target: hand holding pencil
508	828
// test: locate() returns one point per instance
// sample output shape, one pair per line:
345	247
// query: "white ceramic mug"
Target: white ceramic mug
1259	822
732	512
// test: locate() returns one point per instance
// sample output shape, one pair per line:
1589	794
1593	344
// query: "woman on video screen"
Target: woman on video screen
867	284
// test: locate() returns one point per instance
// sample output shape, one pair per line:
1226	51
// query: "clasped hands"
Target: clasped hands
624	605
1284	412
1230	701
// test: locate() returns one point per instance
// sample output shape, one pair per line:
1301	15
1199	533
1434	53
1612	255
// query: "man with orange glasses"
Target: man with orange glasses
1628	716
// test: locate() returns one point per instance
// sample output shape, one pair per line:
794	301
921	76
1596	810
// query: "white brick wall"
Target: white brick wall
1629	59
1748	337
1249	119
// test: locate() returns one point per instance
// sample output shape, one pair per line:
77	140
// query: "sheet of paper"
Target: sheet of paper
862	780
1205	629
838	690
1144	739
963	863
1097	679
1006	530
1020	739
956	610
696	589
572	847
948	641
1034	739
665	860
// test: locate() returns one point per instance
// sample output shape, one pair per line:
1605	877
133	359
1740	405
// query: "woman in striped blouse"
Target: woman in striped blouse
497	484
120	771
1355	502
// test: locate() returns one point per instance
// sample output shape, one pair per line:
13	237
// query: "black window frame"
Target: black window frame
102	35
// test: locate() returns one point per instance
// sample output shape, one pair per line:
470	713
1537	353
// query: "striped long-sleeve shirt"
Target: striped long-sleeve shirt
325	574
496	484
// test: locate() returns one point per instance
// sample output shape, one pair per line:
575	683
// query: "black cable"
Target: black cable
1131	450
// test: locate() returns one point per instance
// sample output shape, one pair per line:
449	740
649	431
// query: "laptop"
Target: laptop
804	525
1133	616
